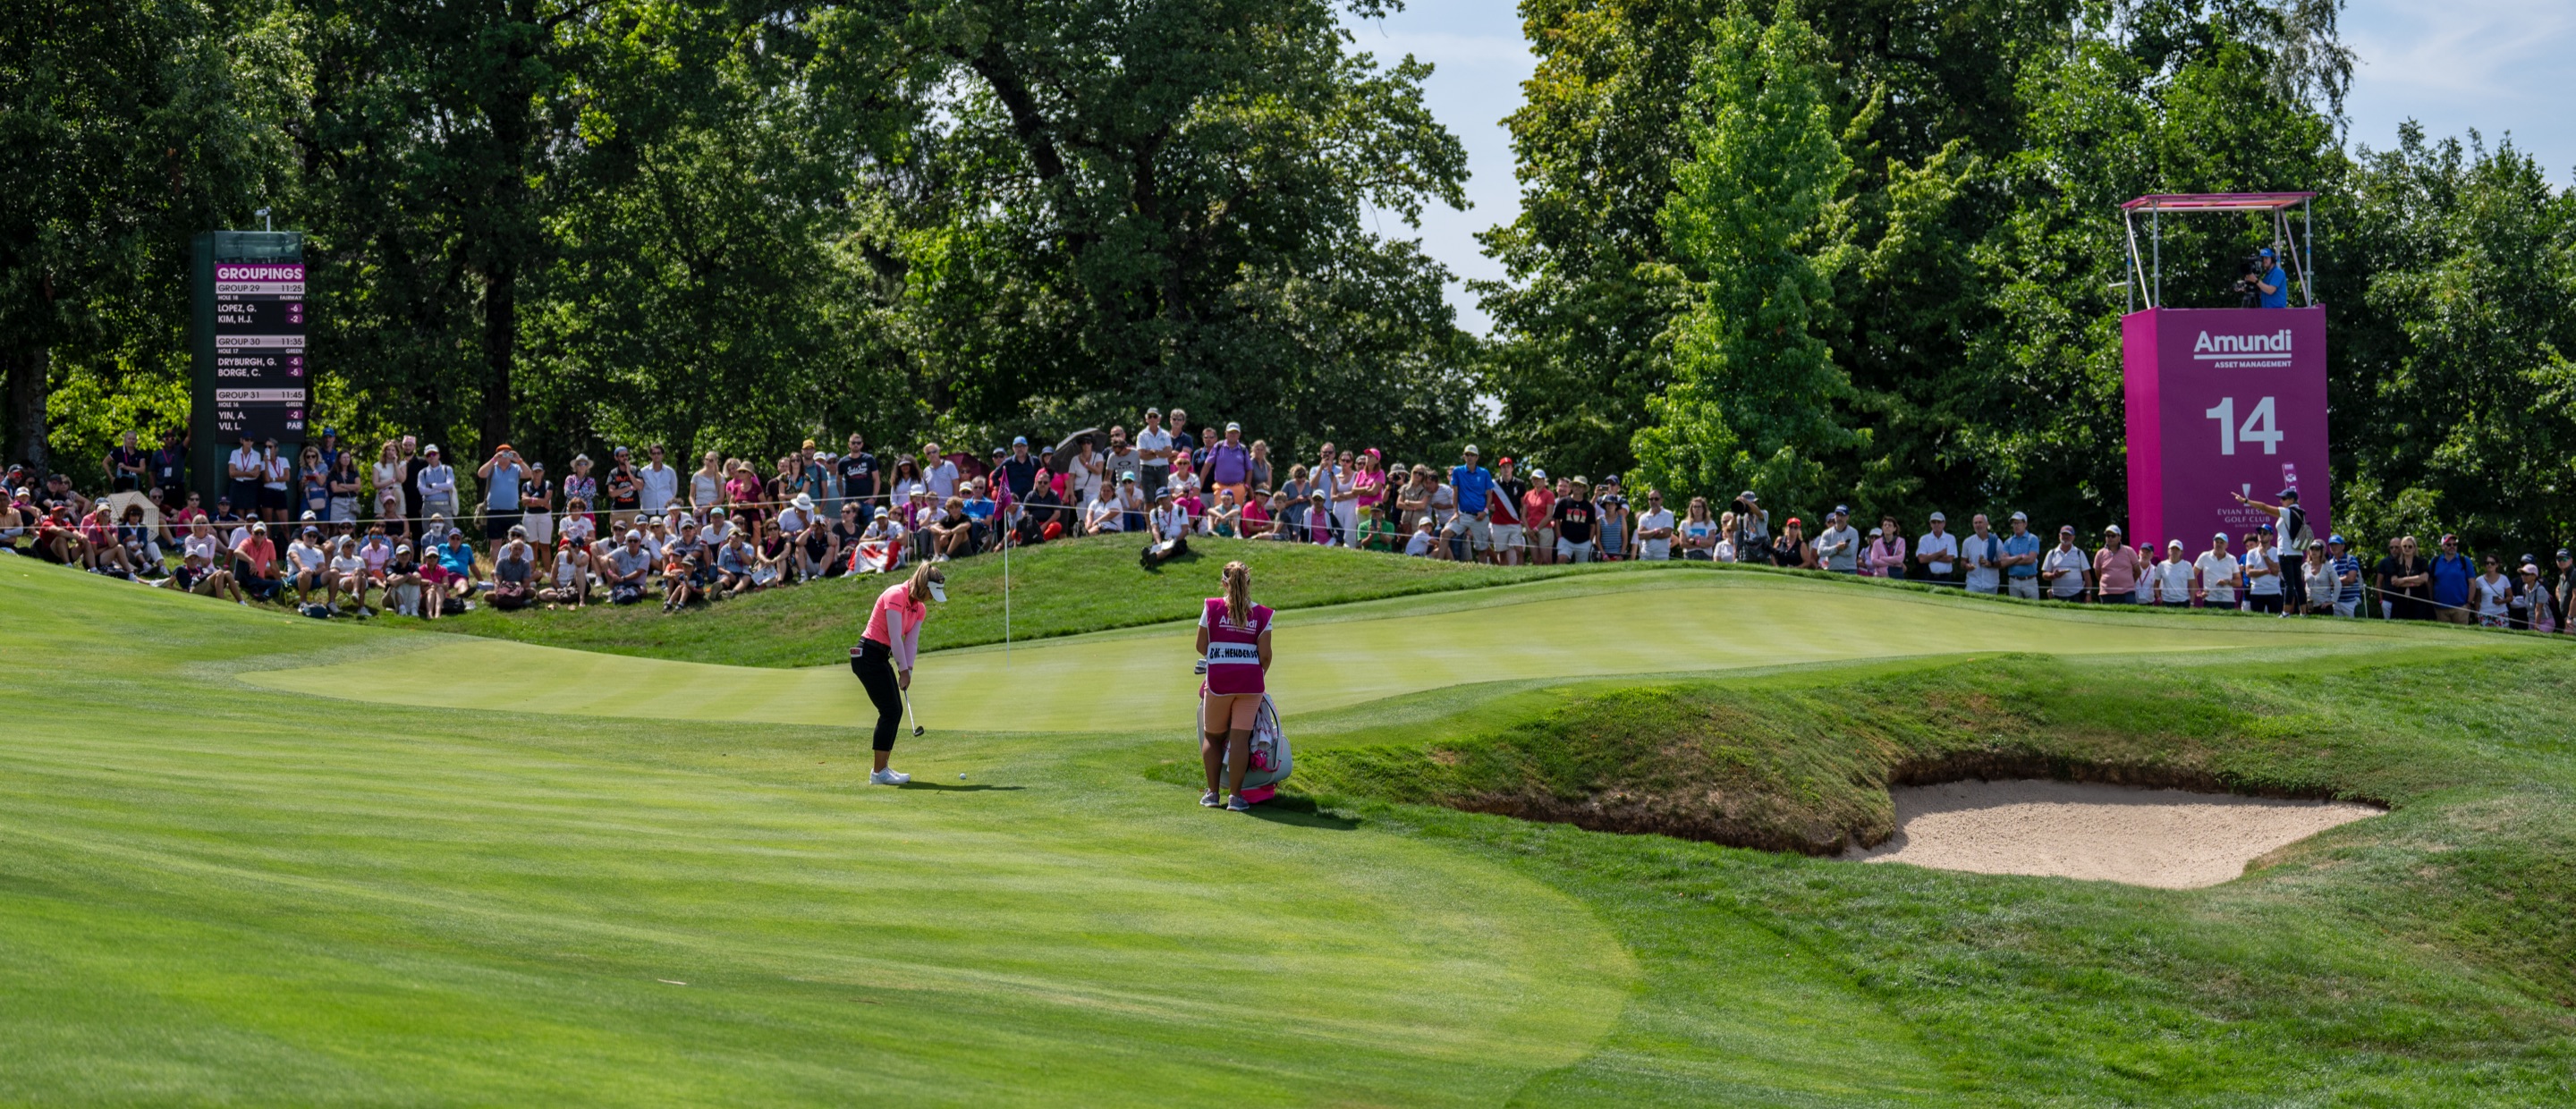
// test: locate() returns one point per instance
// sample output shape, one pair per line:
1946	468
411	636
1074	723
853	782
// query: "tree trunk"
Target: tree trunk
500	350
28	390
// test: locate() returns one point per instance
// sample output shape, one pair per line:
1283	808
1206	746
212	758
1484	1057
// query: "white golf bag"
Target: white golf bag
1270	763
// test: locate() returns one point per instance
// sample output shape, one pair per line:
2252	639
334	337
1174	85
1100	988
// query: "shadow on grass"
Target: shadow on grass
1301	812
978	787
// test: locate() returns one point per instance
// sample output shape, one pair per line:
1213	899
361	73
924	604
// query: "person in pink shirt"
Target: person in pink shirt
1234	653
1886	554
883	657
2116	569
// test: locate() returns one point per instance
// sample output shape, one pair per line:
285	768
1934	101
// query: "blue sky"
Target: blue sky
2500	66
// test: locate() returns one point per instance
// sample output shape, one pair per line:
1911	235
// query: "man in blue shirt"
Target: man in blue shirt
2021	559
1475	487
2347	576
2451	575
2272	283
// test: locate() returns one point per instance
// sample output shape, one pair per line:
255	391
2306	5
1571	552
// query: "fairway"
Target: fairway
1328	658
253	858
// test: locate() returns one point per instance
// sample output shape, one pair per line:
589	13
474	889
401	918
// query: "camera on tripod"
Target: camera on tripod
2249	274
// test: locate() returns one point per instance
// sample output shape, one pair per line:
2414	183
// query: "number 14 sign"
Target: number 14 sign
2222	401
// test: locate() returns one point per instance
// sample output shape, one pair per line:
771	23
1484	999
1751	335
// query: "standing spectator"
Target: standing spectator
1791	549
1574	518
2406	582
743	491
1229	465
1937	552
660	483
1655	529
387	475
2451	578
1721	548
625	490
437	487
1752	534
312	486
500	477
1474	488
168	468
1020	471
2262	573
537	507
1345	494
1154	451
2020	559
344	486
276	484
706	483
2534	609
1123	461
1185	445
126	466
1699	534
415	506
2219	571
1086	474
1538	517
2316	573
1259	472
1838	546
2491	595
1610	513
2067	569
2116	570
2563	592
2347	569
2172	577
331	449
1887	552
1504	509
2292	543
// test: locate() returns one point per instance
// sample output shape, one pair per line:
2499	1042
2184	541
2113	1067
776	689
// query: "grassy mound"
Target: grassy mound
1056	589
2424	957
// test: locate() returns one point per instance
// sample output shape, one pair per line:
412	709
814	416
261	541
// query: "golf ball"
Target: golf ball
961	777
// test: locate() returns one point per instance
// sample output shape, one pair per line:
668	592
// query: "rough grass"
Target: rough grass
1061	588
2424	957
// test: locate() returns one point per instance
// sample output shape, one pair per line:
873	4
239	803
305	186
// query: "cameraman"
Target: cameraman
2271	287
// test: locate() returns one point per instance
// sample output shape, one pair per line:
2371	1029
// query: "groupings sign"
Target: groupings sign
248	339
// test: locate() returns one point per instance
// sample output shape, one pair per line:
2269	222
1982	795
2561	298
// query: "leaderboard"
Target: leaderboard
259	373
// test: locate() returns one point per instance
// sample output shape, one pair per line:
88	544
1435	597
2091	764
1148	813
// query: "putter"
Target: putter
907	710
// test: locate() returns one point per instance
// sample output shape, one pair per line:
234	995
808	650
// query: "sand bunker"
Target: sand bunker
2166	838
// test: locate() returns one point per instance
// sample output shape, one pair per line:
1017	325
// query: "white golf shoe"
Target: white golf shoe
887	778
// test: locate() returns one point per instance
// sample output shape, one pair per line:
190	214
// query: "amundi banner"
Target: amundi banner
2221	402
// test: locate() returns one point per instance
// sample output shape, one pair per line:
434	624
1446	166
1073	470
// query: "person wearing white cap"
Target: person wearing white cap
1937	552
2172	577
2020	559
2115	569
437	482
2218	573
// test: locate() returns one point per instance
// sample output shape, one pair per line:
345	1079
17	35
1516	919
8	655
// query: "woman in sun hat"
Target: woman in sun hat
1234	648
884	655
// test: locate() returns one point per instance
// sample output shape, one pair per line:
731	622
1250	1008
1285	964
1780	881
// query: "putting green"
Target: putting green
1327	658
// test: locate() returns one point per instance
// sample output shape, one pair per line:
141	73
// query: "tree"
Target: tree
1759	235
128	129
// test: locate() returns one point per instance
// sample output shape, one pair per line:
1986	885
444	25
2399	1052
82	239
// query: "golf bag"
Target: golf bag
1270	762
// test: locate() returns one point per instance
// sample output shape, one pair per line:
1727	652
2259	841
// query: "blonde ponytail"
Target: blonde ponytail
1238	595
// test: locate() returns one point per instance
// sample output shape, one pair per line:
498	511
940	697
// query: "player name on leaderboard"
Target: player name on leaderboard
259	351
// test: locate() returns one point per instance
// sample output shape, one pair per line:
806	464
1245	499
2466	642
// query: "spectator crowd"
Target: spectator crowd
403	528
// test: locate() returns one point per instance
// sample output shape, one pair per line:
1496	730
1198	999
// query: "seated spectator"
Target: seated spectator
952	535
1257	514
629	567
17	520
255	563
1379	532
308	566
733	564
1226	518
178	522
1103	516
686	571
196	575
514	572
845	534
457	556
773	557
405	588
348	576
140	543
1167	521
1318	519
1424	543
881	547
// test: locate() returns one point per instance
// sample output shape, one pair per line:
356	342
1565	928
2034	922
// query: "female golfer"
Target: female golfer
883	658
1234	639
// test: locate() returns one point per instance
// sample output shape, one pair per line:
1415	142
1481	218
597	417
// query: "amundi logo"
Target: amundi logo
2241	346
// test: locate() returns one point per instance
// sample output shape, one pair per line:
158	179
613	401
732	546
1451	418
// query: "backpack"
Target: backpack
316	610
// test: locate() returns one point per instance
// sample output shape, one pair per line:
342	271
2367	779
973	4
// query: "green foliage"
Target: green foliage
2453	301
1758	234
